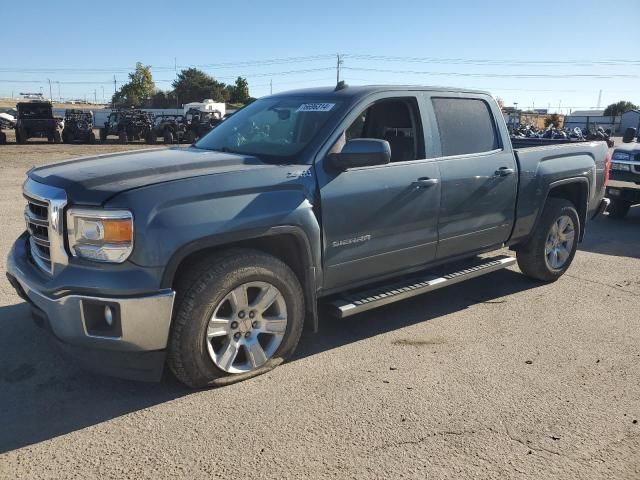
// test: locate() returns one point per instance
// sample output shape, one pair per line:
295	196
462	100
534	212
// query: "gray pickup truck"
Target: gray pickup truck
624	187
211	259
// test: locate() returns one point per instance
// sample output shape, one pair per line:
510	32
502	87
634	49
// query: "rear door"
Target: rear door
380	219
478	174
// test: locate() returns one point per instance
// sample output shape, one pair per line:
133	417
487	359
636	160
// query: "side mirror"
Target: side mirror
361	152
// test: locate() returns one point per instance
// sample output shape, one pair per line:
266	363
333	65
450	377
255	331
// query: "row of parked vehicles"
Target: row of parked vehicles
36	120
553	133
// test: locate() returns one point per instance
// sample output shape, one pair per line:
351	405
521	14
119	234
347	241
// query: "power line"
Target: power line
468	61
324	57
494	75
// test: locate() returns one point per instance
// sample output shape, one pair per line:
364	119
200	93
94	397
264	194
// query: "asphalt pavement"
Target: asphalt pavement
498	377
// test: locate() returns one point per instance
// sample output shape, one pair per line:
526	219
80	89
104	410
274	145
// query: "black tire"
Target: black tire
20	137
531	256
151	138
92	138
56	137
124	139
203	287
65	137
190	137
103	135
3	138
168	137
618	208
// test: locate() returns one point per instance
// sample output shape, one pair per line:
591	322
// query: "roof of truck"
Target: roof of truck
363	90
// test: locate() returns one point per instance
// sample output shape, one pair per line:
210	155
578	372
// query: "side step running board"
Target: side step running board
355	302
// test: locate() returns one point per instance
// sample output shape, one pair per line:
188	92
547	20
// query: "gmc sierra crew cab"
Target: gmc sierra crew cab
211	259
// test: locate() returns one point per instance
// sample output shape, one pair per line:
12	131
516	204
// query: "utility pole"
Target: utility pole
102	87
59	95
271	87
599	99
115	90
338	63
95	95
175	68
50	94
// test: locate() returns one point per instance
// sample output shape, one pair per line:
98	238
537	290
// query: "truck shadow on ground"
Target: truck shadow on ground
618	237
44	395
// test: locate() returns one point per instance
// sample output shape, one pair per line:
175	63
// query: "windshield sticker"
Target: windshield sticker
315	107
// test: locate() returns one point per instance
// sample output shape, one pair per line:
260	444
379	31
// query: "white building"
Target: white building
587	119
630	119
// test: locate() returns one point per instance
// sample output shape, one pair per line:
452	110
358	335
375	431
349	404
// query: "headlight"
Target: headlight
621	156
100	235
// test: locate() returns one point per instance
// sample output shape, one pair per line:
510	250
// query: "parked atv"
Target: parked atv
128	125
78	127
6	121
172	129
200	123
35	119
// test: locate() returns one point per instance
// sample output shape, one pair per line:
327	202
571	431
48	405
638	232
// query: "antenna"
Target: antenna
338	63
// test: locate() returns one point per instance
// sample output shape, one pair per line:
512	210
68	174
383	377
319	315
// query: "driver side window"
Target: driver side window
394	120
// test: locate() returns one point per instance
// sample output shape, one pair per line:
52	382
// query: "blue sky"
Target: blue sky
80	45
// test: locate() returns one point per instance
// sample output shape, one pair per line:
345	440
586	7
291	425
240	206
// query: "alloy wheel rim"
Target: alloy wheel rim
246	327
559	243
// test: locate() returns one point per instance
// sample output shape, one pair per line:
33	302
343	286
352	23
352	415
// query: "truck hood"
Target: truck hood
632	147
93	180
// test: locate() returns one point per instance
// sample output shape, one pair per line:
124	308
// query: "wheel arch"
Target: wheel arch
575	190
287	243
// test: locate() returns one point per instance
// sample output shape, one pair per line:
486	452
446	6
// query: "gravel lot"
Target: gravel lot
498	377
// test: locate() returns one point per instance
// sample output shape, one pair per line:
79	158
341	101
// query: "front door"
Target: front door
380	219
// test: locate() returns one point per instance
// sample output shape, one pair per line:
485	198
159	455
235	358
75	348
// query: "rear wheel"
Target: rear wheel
103	135
618	208
92	138
124	139
238	314
168	137
151	137
20	137
550	251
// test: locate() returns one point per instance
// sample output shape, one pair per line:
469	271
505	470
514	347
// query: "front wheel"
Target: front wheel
550	251
238	314
123	137
618	208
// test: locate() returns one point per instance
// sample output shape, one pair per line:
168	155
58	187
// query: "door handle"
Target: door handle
504	171
425	182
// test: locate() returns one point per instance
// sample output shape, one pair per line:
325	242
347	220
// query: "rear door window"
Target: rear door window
466	126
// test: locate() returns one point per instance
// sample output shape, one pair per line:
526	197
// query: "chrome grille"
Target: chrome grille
36	215
43	216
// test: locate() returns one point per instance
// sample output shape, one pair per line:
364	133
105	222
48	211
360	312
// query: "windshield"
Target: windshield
275	128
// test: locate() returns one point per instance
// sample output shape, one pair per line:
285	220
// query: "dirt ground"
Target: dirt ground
499	377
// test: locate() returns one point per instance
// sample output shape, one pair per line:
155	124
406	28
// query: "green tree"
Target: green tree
162	99
240	91
139	90
193	85
619	108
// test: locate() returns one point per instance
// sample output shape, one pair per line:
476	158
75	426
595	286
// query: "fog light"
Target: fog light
108	315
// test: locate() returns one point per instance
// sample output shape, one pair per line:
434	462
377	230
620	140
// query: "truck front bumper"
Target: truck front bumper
124	337
625	190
